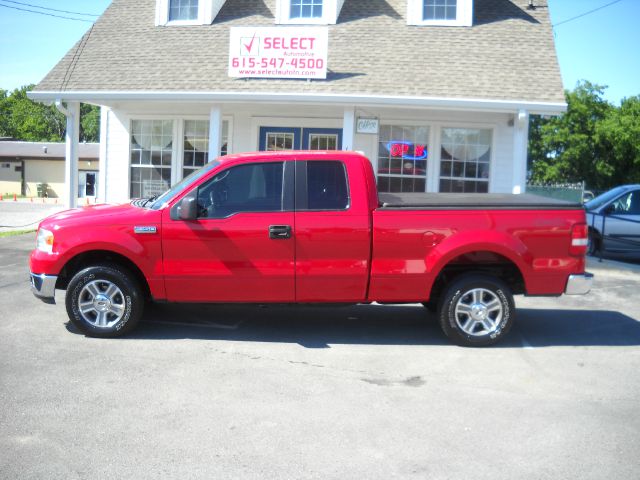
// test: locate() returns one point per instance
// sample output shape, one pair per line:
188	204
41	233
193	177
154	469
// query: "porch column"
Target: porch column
348	128
102	164
520	146
215	132
72	139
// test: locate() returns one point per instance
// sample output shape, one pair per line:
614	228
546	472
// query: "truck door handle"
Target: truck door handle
279	232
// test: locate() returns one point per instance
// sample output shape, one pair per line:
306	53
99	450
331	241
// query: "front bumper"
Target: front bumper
579	284
44	287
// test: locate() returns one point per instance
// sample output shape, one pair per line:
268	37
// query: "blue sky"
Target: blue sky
601	47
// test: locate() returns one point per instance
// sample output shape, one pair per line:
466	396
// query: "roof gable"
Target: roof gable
508	54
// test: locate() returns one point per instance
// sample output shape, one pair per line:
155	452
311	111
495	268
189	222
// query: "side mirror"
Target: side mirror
609	209
188	208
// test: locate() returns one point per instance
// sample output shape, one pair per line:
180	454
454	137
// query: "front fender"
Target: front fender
143	250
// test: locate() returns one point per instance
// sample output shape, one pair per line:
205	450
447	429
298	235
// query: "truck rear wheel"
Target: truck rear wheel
104	301
476	310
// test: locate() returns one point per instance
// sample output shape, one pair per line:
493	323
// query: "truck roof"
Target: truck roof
291	155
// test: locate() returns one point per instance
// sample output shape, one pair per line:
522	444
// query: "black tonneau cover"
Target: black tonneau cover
471	201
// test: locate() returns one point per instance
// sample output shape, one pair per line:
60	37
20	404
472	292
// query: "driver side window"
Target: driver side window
255	187
628	204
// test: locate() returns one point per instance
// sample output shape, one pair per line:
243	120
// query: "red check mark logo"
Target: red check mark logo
249	46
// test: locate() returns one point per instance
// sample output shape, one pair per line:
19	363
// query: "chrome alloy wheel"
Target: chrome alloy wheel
479	312
101	303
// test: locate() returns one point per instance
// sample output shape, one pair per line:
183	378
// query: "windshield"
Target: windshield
606	197
181	185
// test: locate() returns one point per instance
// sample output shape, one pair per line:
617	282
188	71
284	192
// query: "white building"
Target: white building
437	93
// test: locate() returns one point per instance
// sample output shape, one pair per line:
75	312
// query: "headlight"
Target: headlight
44	241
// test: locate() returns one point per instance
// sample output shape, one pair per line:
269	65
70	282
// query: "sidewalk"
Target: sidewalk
24	215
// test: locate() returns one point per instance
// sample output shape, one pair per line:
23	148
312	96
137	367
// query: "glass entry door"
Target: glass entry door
87	184
274	139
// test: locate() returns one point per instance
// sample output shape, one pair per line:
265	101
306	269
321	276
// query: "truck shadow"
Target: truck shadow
319	327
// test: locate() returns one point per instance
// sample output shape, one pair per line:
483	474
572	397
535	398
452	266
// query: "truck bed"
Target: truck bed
471	201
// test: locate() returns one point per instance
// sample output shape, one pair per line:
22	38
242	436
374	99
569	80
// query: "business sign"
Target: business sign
407	150
278	52
367	125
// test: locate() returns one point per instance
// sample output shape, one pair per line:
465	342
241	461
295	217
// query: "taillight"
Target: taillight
579	240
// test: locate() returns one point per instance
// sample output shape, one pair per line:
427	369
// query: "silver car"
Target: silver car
614	222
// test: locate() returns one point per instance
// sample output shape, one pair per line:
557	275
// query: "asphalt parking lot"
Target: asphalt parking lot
361	392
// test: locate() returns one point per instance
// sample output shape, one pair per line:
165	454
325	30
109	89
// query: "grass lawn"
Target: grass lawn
16	232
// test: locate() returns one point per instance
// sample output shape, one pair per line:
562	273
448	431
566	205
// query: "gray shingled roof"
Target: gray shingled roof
508	54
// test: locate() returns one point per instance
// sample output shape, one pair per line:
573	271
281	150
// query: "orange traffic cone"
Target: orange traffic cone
1	199
15	197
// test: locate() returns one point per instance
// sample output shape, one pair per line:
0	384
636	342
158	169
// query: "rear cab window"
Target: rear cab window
327	187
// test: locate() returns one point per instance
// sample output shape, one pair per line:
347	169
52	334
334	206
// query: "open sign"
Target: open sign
407	150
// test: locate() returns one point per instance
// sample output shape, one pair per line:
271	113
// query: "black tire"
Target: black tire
491	312
119	312
593	245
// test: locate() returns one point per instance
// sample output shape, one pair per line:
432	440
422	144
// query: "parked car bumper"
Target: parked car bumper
44	287
579	284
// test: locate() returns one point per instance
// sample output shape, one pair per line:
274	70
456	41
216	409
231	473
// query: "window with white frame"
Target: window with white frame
187	12
323	141
402	158
308	12
306	9
465	160
195	150
440	12
151	157
151	152
196	145
183	10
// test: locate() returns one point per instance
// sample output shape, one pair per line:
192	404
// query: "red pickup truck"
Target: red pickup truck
310	227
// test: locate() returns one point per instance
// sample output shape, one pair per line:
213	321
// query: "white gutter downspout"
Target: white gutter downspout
72	139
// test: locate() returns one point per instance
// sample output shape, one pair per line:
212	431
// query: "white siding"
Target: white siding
502	166
117	165
247	119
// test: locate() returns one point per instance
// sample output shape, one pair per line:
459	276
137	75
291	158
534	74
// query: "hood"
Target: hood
103	214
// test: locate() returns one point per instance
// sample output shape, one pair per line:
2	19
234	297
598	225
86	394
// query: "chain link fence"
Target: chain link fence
571	192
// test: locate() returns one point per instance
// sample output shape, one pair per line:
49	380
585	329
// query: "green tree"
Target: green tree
33	121
89	123
4	114
23	119
566	148
619	134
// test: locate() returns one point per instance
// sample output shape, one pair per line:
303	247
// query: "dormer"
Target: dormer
440	13
308	12
187	12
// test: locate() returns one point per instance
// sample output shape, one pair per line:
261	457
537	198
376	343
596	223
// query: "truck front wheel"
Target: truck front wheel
476	310
104	301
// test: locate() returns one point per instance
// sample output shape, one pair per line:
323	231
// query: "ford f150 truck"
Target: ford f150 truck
310	227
